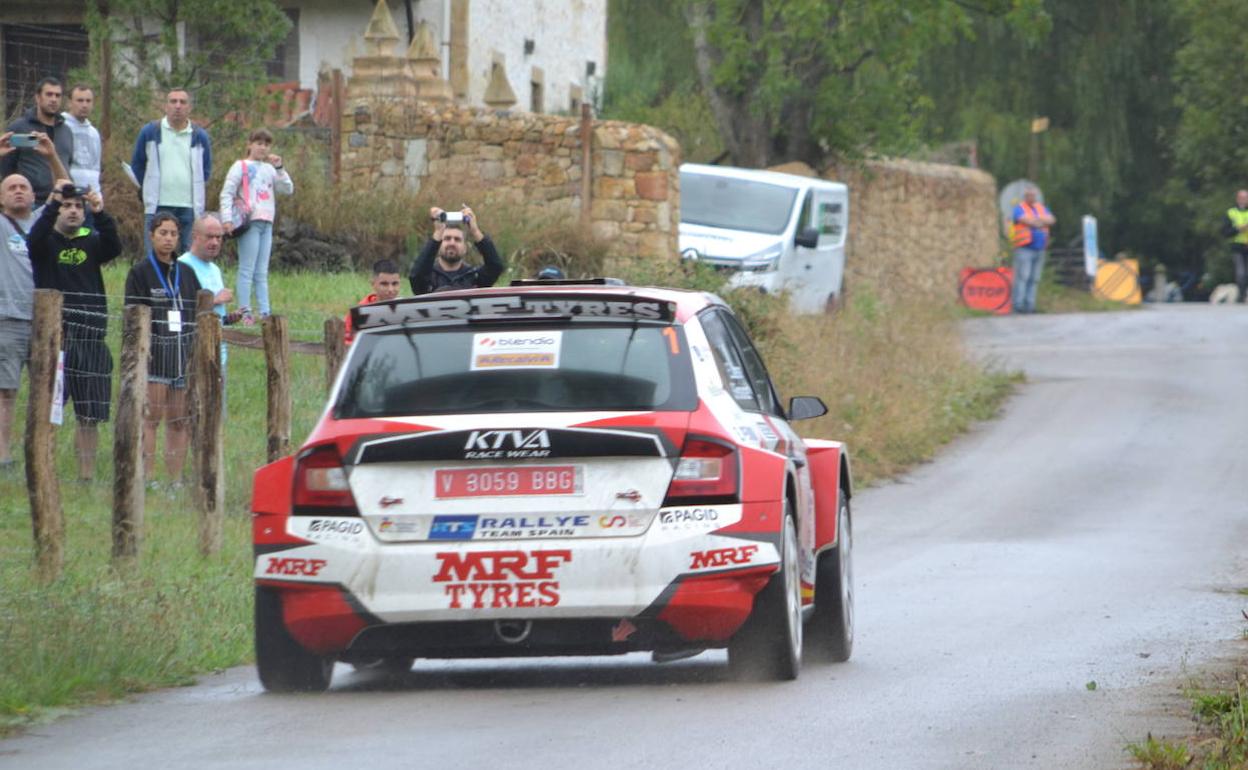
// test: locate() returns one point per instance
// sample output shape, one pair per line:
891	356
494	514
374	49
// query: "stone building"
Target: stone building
553	52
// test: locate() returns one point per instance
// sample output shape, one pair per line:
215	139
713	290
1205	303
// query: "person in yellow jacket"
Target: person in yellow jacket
1236	229
1030	234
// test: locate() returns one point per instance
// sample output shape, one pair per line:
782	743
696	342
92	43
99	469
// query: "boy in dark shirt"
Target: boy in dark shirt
67	255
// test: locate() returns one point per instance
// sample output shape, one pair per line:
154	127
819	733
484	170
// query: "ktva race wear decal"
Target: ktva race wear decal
513	444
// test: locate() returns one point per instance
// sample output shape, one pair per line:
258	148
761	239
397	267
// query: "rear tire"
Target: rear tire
832	626
769	645
283	664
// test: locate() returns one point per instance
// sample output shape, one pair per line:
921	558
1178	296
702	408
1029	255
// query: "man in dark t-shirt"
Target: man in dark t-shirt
67	255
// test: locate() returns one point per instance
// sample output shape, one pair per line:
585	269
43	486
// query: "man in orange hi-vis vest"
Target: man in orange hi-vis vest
1030	234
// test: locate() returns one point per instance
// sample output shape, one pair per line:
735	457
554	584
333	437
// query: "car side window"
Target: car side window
731	368
755	369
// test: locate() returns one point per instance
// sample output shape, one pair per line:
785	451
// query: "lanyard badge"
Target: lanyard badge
173	316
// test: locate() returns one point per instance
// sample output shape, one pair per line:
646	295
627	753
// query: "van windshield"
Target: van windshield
735	204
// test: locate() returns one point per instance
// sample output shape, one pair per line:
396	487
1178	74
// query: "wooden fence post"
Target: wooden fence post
204	301
206	408
136	344
277	356
335	349
46	515
587	169
335	130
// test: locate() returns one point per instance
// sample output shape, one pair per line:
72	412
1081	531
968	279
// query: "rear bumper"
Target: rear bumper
680	583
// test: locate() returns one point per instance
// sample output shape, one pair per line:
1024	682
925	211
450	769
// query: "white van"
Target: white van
779	232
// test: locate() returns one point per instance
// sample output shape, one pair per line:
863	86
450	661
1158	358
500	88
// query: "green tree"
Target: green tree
216	49
1211	141
802	79
1102	75
652	78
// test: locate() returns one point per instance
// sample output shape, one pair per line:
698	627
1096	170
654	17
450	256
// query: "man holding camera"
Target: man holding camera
448	246
66	255
42	126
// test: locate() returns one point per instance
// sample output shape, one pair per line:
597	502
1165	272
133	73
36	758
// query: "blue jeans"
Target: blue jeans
186	218
1027	266
253	265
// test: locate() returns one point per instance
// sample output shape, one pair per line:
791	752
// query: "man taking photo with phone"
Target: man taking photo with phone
441	267
30	158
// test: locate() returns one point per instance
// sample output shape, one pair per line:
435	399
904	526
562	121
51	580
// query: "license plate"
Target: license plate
508	482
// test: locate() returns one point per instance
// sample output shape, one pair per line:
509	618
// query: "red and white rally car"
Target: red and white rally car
552	469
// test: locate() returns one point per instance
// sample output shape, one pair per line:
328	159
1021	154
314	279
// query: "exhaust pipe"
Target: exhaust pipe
513	631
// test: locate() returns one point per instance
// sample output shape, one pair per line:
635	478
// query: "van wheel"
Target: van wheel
833	623
283	664
769	645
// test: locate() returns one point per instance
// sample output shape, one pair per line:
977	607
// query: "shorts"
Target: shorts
88	372
14	351
171	356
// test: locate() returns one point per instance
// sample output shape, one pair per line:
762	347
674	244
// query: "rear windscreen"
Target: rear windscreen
735	204
474	369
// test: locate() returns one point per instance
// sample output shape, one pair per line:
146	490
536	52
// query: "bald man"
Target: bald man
17	292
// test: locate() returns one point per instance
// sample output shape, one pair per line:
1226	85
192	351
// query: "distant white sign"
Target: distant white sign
1091	252
58	391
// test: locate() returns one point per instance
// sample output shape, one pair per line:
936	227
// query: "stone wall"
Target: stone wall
914	226
529	163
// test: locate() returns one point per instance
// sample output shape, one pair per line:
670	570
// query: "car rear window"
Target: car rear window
483	369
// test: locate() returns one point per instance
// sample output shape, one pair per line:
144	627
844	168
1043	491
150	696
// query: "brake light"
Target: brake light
321	483
707	470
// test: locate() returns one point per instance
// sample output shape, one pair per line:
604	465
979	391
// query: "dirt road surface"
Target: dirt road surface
1097	532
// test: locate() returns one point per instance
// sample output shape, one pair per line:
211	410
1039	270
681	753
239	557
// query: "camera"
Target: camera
24	140
73	191
454	218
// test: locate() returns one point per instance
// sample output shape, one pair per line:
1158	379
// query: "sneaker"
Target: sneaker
248	319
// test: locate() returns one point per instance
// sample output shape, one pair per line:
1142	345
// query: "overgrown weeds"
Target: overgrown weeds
1221	739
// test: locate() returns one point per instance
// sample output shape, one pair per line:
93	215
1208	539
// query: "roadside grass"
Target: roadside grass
895	378
1221	738
1053	297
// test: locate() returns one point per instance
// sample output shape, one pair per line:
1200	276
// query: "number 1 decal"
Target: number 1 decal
672	341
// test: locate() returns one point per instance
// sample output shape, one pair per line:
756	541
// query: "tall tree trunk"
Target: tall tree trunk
746	132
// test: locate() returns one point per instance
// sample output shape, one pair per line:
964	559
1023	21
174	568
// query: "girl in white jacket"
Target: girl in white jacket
248	194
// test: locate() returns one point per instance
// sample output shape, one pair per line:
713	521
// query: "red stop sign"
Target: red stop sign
987	290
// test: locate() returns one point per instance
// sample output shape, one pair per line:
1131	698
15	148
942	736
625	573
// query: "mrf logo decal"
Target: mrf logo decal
501	578
486	444
723	557
279	565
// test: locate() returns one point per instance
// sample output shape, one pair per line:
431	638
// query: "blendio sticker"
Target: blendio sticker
516	350
498	579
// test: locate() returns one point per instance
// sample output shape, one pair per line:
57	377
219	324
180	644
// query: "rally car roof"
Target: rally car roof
679	304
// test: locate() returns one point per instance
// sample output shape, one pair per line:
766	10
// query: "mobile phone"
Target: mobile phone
24	140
